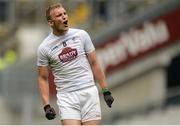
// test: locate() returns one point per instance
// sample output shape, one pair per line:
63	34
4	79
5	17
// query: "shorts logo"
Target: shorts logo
68	54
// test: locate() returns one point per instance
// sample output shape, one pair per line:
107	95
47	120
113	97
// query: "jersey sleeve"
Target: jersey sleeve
42	58
88	45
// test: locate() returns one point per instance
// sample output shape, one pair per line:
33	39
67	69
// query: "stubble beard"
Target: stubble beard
60	29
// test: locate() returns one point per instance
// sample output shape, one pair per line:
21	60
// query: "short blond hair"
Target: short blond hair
51	7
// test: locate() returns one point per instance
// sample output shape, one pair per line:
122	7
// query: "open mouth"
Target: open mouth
65	23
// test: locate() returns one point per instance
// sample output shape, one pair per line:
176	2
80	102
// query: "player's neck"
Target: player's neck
60	33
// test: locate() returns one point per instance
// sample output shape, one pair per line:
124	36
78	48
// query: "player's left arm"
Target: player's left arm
100	77
97	71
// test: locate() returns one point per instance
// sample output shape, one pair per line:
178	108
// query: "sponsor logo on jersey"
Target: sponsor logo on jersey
68	54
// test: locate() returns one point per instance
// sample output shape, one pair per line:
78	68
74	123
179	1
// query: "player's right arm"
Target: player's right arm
43	83
43	63
44	90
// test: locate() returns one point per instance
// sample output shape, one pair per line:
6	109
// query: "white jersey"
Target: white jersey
66	56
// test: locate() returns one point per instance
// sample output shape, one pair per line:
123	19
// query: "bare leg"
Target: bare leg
93	122
70	122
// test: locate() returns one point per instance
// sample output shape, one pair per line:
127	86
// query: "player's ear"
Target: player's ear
50	23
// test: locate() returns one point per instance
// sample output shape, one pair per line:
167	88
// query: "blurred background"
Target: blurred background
137	43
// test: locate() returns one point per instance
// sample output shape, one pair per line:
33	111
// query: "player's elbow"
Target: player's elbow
43	78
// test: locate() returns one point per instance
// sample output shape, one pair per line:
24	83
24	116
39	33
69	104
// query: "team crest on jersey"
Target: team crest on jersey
64	44
68	54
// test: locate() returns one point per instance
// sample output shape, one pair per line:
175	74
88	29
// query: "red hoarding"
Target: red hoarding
140	41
